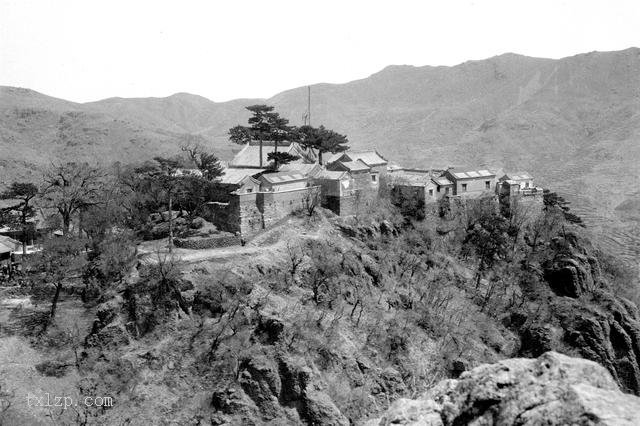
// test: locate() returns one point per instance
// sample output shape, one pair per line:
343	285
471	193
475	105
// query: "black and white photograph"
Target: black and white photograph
322	213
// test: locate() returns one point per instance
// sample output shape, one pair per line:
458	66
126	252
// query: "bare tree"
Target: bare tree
70	188
167	271
295	257
207	163
311	200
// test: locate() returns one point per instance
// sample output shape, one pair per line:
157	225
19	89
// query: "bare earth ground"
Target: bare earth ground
18	358
266	243
18	361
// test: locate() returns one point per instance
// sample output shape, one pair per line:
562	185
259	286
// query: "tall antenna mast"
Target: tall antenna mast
309	104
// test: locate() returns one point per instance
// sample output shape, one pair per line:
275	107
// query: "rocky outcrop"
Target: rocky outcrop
351	228
572	276
282	389
552	389
573	271
606	331
108	330
598	324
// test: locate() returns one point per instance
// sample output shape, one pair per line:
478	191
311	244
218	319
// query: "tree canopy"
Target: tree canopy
208	163
553	200
70	188
322	140
265	125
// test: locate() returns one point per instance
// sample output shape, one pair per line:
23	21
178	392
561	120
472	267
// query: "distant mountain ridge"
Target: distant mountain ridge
574	123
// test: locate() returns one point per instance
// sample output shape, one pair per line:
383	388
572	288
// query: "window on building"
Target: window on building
487	184
446	190
373	178
464	187
438	188
526	185
431	193
249	190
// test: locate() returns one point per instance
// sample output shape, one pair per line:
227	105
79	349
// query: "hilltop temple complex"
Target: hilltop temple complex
256	197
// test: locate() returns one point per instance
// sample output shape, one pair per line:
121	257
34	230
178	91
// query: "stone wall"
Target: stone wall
526	204
252	212
276	205
363	182
455	206
221	240
249	218
342	206
225	216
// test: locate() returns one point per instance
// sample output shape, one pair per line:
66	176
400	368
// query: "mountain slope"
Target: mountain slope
573	122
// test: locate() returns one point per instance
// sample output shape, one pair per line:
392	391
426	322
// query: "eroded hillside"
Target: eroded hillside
321	320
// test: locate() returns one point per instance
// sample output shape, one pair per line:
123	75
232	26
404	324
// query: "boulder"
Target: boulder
231	399
320	410
552	389
302	390
197	223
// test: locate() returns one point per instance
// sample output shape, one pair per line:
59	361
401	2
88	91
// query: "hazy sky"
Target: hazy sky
222	49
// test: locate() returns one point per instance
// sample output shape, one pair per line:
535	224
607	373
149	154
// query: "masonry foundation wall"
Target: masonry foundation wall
224	240
342	206
250	213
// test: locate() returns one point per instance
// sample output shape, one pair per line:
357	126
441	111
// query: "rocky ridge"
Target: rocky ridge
552	389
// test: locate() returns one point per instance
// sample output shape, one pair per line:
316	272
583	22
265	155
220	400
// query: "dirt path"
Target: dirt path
267	242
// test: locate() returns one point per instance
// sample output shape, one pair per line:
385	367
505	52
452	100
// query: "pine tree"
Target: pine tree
322	139
265	125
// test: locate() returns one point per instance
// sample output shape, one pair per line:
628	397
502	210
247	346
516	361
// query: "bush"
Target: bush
53	368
